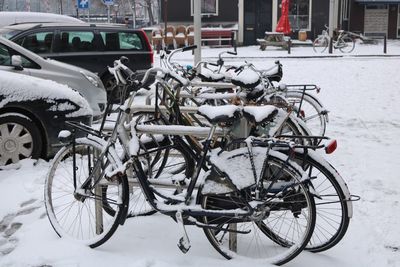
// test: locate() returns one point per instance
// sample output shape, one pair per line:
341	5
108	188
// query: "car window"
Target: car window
75	41
116	41
5	58
7	33
40	42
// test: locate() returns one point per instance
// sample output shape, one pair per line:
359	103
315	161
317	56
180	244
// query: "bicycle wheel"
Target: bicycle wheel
333	216
346	44
320	44
84	216
164	163
311	112
276	234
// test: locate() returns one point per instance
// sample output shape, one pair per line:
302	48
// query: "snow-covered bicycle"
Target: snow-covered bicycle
344	41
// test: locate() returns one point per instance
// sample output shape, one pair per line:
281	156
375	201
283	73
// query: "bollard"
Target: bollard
233	41
384	44
289	46
330	45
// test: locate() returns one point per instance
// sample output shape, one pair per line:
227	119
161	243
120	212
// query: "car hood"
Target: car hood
19	88
67	66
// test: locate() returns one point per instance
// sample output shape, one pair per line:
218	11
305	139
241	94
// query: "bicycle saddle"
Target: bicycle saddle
246	78
220	114
254	93
275	74
208	75
260	114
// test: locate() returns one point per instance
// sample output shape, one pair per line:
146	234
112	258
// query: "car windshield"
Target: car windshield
8	33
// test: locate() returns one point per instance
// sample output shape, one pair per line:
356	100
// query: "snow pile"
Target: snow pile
360	94
247	78
209	75
261	113
212	112
19	88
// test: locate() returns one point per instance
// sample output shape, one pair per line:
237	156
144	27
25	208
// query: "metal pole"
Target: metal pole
98	204
134	14
108	13
331	17
384	44
197	30
240	32
165	20
331	24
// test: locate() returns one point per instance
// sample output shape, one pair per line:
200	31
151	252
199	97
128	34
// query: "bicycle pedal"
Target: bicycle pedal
184	245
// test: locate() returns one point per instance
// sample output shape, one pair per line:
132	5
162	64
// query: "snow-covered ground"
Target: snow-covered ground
363	96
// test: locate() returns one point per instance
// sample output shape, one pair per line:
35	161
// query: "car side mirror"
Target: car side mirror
16	61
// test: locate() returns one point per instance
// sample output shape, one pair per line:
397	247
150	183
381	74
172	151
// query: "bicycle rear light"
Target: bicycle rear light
331	147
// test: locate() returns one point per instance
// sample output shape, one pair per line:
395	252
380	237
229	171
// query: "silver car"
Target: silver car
17	59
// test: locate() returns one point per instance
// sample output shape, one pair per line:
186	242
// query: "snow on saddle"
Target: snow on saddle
274	74
219	114
229	113
260	114
247	78
208	75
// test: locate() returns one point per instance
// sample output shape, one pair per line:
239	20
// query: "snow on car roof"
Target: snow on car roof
19	87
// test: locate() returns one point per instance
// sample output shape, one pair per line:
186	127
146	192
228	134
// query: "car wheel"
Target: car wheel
19	138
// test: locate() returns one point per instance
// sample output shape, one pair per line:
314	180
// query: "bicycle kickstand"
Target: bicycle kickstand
184	243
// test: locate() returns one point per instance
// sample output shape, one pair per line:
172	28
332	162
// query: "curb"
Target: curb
306	57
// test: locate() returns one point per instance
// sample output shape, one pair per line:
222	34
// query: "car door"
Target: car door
126	43
39	41
76	47
5	61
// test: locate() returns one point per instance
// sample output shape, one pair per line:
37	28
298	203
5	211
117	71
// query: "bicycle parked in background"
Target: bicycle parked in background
344	41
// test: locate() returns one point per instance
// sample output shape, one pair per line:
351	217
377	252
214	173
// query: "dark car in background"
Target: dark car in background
32	113
89	46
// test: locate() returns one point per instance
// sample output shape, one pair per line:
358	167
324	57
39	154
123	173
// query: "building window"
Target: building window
208	7
300	14
345	13
377	6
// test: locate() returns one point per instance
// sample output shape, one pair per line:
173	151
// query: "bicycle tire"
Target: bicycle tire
320	44
312	112
333	216
258	243
346	44
162	166
84	218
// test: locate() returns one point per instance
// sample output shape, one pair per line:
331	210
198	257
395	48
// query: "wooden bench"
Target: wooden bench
217	37
275	39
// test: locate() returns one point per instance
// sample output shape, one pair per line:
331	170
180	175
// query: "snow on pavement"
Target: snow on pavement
363	98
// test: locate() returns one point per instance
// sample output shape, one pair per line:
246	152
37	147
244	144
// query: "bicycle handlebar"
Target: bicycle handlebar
118	66
189	48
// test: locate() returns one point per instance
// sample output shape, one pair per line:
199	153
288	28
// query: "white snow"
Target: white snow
64	134
246	77
260	113
19	87
212	75
211	112
363	98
